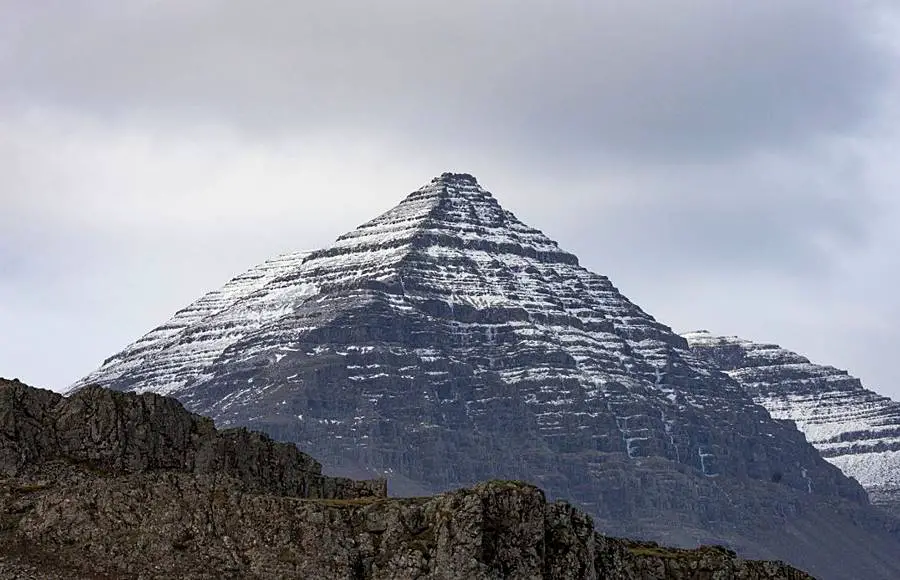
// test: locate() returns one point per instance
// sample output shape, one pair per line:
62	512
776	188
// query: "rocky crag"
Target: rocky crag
115	434
854	428
111	485
446	342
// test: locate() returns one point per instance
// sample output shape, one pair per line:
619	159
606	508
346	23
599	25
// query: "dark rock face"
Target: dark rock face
446	342
854	428
111	432
145	515
498	530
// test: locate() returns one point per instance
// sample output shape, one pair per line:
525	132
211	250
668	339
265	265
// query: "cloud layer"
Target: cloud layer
669	79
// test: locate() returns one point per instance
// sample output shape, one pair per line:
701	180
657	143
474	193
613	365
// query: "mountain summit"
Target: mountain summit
446	342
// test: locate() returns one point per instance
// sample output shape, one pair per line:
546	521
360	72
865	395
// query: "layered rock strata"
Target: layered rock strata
854	428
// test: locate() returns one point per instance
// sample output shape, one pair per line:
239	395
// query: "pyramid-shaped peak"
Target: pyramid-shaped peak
454	211
449	197
453	188
448	341
450	178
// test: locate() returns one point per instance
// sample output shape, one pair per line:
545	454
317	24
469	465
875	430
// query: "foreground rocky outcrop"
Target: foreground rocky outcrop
111	433
112	485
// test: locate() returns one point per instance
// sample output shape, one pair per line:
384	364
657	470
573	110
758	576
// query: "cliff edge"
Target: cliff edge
117	485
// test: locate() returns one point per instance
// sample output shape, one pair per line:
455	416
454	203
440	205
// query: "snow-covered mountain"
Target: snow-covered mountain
446	342
172	354
852	427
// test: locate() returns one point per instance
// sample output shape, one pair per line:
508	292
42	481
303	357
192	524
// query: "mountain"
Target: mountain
446	342
112	485
187	346
852	427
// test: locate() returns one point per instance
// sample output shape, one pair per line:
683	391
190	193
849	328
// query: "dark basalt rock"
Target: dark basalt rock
111	432
148	514
446	342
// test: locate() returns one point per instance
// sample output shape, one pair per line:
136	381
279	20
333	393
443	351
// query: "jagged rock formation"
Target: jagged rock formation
852	427
116	433
446	342
115	499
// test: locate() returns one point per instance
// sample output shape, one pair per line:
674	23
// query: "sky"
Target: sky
730	166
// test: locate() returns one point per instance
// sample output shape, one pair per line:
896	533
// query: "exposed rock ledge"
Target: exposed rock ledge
115	433
112	485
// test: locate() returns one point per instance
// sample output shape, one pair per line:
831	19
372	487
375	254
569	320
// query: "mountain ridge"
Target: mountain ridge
854	428
448	342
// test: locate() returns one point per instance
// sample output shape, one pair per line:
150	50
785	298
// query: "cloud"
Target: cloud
729	165
672	79
207	187
787	215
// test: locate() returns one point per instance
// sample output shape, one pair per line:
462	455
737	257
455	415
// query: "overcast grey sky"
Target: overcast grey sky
730	165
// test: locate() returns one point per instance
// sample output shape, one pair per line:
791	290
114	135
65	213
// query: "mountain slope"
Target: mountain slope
447	342
188	345
852	427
